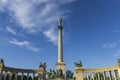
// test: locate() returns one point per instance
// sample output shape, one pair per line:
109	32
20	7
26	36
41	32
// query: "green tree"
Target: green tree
69	75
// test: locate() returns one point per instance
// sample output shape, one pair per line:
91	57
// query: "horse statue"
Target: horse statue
79	64
42	65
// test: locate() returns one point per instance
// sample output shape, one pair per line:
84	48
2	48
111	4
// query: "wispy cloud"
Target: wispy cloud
35	15
109	45
52	37
10	30
25	44
117	53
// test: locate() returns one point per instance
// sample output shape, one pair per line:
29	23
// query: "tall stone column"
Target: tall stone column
60	44
60	63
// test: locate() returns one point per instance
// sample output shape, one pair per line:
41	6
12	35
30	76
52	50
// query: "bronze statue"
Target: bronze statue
1	61
118	60
60	21
79	64
42	65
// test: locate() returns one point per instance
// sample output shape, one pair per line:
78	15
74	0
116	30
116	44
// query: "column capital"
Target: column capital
60	27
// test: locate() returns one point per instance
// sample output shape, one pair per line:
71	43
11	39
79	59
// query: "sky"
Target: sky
28	32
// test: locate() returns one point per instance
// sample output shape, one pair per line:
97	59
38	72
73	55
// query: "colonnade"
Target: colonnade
107	73
19	74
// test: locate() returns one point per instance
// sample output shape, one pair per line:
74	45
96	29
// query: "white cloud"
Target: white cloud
10	30
52	37
35	15
109	45
25	44
3	4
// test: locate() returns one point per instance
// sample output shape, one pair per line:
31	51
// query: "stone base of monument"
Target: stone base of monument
59	79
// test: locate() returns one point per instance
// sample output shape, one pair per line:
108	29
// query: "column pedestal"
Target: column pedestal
61	65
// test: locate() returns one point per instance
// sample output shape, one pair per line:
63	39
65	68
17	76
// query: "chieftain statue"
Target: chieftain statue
1	61
51	74
118	60
42	65
79	64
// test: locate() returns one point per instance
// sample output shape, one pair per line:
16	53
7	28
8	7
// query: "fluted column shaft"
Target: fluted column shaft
115	75
110	75
16	75
22	76
104	75
60	44
27	76
92	76
98	76
5	75
33	76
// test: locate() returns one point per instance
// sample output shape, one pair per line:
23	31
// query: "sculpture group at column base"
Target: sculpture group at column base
61	66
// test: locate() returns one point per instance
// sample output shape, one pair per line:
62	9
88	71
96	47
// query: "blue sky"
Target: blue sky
28	32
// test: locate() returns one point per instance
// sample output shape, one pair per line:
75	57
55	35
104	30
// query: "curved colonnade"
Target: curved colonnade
18	74
107	73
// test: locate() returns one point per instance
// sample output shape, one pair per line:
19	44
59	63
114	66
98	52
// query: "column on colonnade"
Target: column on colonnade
92	75
87	76
22	76
10	76
115	74
98	73
16	75
104	75
33	76
27	76
5	75
110	75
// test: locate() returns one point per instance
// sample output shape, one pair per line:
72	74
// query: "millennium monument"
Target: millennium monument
60	65
106	73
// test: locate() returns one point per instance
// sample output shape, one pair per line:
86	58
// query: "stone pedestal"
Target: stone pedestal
79	73
61	65
41	74
59	79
